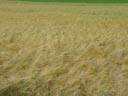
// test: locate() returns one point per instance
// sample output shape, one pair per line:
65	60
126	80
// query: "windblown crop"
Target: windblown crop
56	49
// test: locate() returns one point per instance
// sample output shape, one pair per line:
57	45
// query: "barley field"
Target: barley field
63	49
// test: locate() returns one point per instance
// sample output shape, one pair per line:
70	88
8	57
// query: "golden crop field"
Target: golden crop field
63	49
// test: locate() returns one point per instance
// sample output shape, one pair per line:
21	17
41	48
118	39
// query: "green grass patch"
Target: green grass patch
82	1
